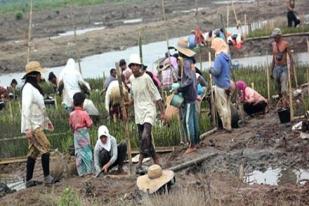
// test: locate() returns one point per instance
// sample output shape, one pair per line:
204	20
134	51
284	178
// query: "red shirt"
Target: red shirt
79	119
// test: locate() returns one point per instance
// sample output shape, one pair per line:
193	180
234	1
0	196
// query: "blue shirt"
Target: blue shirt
221	71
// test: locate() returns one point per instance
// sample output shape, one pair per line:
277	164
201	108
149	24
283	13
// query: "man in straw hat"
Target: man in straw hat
187	87
34	120
221	73
280	50
156	180
145	96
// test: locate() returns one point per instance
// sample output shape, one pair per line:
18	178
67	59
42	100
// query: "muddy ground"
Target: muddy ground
116	35
218	180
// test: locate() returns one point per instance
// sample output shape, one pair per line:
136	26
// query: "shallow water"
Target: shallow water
278	176
78	32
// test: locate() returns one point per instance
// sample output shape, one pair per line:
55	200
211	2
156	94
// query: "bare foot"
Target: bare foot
190	150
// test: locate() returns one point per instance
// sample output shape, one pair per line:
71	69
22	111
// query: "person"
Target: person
4	94
34	120
113	99
168	72
12	89
280	50
71	82
125	71
156	181
221	73
107	154
291	15
187	87
53	80
253	102
145	96
112	77
80	122
154	77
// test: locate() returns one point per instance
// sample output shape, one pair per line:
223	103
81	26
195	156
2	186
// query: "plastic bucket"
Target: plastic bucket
284	115
177	100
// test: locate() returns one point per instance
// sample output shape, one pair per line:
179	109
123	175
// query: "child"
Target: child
79	123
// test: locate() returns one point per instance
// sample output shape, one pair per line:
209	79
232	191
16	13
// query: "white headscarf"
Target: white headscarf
71	78
103	131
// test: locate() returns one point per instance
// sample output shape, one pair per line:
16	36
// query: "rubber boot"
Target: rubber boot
29	174
30	168
48	179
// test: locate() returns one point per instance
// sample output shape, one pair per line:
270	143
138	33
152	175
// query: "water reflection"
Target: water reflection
278	176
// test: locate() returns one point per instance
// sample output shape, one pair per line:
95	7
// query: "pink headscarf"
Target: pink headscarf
241	86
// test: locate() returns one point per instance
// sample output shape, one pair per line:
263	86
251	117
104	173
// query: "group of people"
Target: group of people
143	90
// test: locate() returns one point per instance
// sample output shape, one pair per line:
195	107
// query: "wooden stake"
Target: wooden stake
252	85
213	111
165	22
290	88
29	33
125	116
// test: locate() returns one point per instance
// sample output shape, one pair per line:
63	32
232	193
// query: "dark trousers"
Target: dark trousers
105	156
145	140
251	109
292	19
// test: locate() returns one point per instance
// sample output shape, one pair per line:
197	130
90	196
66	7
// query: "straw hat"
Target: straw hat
182	47
276	32
135	59
154	179
34	66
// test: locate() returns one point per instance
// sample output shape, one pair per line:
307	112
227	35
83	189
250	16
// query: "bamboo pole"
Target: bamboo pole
236	19
294	70
213	111
227	15
125	116
29	33
164	19
75	40
267	77
290	89
140	45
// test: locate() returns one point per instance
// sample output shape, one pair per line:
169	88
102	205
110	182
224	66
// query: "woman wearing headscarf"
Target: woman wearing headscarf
221	72
71	80
252	101
107	153
34	120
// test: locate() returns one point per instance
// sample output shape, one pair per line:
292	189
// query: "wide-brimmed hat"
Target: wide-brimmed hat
276	32
154	179
182	47
34	66
135	59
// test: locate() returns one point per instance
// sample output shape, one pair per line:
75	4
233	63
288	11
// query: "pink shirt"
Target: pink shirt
79	119
252	96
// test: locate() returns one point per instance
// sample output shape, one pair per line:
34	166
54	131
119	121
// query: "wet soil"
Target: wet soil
116	35
261	144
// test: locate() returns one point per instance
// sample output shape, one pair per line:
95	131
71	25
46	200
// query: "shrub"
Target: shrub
19	15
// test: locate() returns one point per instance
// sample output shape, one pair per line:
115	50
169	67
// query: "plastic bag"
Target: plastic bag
90	108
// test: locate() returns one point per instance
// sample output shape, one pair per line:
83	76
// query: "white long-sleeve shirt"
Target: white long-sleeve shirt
113	153
113	96
33	109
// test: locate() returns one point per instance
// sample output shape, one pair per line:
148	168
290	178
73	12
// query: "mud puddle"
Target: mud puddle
277	176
